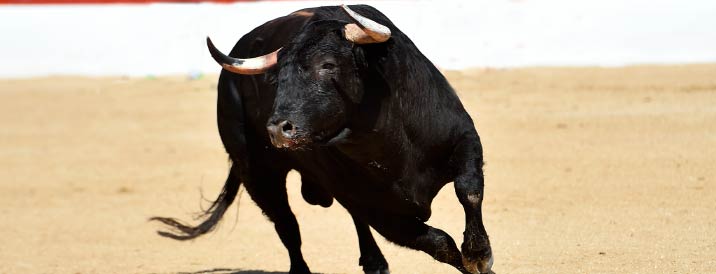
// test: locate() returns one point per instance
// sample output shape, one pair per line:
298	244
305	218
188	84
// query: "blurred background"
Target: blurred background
50	37
597	118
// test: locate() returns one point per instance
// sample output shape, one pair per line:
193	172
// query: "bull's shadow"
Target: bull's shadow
242	271
233	271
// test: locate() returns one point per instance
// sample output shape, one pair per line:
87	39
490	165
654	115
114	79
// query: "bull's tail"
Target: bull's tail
210	217
231	129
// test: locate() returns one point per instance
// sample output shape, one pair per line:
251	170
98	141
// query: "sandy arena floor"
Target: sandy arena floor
588	171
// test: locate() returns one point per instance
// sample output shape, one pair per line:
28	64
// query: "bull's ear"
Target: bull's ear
354	89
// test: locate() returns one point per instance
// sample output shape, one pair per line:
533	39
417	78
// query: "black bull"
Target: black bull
369	122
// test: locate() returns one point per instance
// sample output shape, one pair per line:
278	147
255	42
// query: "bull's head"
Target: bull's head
319	81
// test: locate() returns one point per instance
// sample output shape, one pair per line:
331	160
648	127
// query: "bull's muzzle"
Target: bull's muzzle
282	133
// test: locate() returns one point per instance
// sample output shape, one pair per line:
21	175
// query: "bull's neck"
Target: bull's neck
401	113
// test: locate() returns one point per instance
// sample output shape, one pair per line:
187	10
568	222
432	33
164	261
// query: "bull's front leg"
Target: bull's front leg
469	186
371	259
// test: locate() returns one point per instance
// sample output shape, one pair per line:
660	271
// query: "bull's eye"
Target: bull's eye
328	66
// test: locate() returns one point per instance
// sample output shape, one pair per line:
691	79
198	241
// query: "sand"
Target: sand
589	170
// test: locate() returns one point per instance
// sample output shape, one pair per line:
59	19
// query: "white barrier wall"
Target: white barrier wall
161	39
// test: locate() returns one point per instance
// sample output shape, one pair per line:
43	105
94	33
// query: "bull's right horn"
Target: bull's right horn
256	65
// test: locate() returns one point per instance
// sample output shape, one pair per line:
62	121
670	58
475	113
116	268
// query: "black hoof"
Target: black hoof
374	265
299	269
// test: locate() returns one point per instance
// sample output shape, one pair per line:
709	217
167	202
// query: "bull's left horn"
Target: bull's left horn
366	31
256	65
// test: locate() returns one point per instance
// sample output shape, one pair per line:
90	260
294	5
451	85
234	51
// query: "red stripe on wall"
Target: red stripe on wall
44	2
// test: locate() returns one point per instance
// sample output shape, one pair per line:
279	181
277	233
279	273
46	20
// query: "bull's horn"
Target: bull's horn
365	31
256	65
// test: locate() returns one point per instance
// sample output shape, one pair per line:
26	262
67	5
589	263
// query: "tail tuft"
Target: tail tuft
182	231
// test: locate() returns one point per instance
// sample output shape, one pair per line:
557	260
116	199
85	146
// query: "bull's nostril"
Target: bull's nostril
287	129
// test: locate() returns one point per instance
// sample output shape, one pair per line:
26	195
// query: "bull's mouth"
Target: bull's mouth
290	143
301	142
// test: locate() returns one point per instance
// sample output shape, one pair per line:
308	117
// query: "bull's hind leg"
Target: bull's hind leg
371	259
469	186
410	232
268	190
